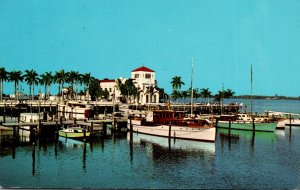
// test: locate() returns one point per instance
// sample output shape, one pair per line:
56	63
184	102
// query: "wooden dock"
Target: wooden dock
50	129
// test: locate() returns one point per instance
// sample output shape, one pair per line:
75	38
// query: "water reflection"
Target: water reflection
271	136
232	137
160	148
33	160
84	157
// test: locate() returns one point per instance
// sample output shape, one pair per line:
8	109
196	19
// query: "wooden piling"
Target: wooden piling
14	133
170	130
4	112
56	130
92	128
130	125
253	124
84	134
290	120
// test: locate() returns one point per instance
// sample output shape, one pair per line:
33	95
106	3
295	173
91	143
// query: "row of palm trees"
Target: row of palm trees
32	78
74	78
205	93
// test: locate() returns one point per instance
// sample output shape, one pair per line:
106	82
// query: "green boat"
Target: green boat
244	122
74	133
246	125
248	134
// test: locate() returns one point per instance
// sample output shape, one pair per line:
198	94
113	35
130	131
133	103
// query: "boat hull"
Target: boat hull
207	134
267	127
73	135
262	135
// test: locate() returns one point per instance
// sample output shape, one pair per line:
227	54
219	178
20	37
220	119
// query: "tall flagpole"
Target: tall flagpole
192	90
251	90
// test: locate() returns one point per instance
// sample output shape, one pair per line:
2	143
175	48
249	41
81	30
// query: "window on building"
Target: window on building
136	76
148	76
109	89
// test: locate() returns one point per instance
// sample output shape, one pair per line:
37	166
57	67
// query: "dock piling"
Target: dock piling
253	124
170	130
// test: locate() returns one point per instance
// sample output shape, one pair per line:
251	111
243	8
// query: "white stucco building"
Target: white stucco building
144	80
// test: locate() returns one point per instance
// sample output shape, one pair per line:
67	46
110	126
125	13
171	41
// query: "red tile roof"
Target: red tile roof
106	80
144	69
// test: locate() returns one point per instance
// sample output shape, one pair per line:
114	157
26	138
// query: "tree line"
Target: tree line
128	89
205	93
32	78
72	79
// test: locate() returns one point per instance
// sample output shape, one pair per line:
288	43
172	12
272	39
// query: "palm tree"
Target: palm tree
196	94
31	77
3	77
60	78
219	96
121	87
86	79
73	77
46	80
136	93
15	76
176	83
228	93
176	94
205	93
94	90
185	94
130	88
162	94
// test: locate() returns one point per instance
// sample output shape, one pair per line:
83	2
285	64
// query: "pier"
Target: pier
44	129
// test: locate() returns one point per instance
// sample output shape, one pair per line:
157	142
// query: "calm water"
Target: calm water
236	160
261	105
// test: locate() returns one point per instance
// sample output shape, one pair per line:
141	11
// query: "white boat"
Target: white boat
24	130
157	122
76	109
287	122
175	124
74	133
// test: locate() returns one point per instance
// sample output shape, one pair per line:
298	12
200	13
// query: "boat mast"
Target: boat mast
192	90
251	90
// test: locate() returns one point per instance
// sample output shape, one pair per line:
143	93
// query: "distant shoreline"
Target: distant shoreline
266	97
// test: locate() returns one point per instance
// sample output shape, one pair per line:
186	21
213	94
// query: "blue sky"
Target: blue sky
111	38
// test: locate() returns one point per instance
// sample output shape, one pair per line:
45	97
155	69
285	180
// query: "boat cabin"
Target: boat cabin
227	117
30	117
166	117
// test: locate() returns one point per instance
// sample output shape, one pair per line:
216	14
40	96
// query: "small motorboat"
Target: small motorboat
74	133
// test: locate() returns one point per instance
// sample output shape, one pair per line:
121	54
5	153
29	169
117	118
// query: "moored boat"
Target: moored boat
28	118
76	109
74	133
244	122
170	124
261	135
